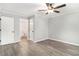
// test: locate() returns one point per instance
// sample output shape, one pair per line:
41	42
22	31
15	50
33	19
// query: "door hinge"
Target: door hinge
0	29
0	18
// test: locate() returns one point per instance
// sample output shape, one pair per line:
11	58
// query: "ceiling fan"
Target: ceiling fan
52	8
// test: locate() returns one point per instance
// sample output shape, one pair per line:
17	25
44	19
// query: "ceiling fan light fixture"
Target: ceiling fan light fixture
51	8
50	11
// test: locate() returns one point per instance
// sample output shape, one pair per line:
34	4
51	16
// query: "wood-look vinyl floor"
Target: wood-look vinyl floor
43	48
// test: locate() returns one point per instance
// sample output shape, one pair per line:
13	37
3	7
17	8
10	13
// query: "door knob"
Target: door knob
32	31
0	40
13	31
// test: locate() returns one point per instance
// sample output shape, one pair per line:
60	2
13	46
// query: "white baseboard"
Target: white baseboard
56	40
9	43
40	40
65	42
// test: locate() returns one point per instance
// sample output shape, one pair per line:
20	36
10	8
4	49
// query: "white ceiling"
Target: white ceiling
26	9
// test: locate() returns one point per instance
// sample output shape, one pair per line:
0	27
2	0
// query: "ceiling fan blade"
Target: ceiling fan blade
41	10
46	13
63	5
56	11
47	4
52	4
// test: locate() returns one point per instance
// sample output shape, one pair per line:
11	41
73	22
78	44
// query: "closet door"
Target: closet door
7	30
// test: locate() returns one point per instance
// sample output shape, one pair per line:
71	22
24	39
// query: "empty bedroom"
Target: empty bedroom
39	29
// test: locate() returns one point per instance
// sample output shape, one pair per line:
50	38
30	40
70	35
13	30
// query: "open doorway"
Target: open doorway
24	28
27	28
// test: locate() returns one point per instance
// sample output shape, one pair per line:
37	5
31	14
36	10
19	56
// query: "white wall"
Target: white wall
17	28
65	28
41	28
61	27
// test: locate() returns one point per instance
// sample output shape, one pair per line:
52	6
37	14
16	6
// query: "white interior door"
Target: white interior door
7	30
31	27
